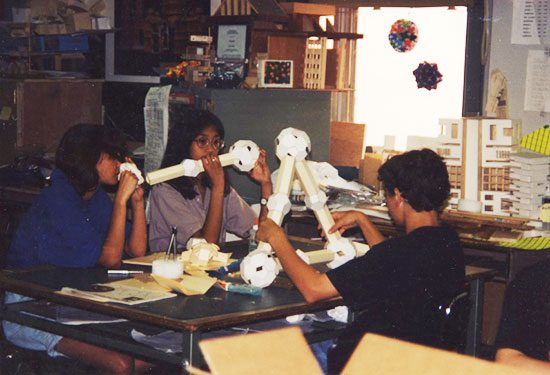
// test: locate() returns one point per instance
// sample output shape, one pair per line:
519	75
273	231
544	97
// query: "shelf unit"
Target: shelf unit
25	53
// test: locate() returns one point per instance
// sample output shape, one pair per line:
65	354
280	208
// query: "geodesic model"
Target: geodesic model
242	155
260	267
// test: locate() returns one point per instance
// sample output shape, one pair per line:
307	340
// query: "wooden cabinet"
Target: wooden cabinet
41	111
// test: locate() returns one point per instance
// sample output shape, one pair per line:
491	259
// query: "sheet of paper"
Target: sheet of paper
156	126
118	294
188	285
530	22
537	81
146	260
143	281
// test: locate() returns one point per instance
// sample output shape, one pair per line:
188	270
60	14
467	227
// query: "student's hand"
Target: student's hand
213	167
126	186
345	220
261	173
268	231
138	196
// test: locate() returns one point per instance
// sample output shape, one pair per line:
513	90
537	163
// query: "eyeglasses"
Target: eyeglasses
204	142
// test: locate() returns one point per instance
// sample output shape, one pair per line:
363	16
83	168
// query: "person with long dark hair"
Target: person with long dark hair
205	206
74	223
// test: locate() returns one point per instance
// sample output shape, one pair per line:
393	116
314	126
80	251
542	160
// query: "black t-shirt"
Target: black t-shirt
525	323
393	284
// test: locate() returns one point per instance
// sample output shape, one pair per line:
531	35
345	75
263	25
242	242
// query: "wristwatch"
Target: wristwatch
263	202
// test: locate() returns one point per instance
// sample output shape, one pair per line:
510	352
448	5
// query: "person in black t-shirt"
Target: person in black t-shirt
523	338
397	284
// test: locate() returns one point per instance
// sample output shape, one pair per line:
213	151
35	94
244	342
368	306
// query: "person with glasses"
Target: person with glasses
205	206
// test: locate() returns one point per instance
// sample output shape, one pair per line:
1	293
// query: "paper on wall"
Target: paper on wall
537	82
530	22
156	126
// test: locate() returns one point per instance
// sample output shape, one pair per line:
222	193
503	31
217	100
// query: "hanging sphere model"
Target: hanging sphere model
403	35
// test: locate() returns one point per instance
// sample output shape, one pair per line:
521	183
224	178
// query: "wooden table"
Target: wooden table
193	316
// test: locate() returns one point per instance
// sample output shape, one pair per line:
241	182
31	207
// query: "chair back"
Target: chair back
453	314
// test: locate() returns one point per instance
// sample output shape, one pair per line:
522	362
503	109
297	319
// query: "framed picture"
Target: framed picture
231	42
275	73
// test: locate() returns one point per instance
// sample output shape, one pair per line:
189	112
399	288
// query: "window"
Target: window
387	97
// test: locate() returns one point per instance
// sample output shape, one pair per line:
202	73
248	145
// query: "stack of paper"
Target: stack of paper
529	173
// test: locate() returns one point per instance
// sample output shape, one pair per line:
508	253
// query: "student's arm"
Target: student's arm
211	229
261	174
516	358
313	285
111	251
350	219
136	245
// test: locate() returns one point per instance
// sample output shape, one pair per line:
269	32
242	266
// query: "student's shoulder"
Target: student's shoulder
163	189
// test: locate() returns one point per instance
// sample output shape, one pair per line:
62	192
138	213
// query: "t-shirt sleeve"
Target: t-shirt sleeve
169	208
364	280
239	216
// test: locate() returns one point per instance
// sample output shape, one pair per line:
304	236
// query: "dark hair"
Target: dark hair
421	176
80	150
185	126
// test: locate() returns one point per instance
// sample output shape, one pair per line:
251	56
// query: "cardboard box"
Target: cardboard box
347	144
368	170
101	23
309	8
78	21
50	28
21	15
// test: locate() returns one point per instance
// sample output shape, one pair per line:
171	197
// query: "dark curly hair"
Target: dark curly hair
185	126
421	176
80	149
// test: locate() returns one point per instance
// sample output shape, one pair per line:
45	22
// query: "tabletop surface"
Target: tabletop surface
215	309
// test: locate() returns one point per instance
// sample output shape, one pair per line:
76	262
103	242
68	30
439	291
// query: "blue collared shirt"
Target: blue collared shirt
61	228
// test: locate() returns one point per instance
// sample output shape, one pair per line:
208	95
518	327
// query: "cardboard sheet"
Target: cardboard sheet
280	351
382	355
188	285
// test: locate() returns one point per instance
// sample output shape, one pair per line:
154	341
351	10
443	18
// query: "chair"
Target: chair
453	315
15	360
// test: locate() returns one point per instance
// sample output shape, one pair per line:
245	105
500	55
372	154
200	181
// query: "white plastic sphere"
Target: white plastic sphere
279	202
259	269
191	167
247	153
292	142
317	201
343	250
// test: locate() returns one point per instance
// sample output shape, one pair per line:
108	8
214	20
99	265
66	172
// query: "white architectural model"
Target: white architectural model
260	267
477	153
242	155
